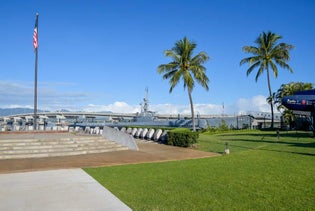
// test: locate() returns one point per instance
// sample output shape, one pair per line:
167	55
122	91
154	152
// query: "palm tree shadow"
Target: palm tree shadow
300	153
293	144
282	134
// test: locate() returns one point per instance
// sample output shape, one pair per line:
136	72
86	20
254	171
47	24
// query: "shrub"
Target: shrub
182	138
223	126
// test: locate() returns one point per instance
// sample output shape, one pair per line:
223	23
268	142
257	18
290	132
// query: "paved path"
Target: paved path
67	189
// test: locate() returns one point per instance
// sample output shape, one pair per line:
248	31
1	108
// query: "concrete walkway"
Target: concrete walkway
37	184
70	189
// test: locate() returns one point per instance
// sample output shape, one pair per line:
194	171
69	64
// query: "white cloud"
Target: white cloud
16	94
256	103
117	107
242	106
20	106
185	109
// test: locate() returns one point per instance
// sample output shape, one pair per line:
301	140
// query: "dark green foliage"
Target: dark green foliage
182	138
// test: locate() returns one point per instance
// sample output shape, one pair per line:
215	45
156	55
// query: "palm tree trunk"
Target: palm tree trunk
192	110
271	103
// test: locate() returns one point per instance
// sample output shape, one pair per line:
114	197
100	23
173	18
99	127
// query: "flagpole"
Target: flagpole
35	79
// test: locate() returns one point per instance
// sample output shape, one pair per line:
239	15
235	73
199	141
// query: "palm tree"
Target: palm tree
266	56
187	67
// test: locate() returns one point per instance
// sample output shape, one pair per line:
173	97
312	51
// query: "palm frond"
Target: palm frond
167	67
251	60
173	55
274	69
174	79
252	67
200	58
169	74
251	49
260	71
284	65
188	80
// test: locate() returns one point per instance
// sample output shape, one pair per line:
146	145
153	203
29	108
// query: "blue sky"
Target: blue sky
100	55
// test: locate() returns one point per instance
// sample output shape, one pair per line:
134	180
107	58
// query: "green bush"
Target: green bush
223	126
182	138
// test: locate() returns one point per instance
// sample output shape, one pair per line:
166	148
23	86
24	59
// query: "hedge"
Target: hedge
182	138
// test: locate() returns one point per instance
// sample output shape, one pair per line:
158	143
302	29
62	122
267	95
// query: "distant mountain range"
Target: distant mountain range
14	111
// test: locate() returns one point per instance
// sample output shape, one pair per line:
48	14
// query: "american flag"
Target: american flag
35	34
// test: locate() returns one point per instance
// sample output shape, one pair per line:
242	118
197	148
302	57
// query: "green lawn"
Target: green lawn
261	173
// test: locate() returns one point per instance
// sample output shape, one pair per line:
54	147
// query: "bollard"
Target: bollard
227	150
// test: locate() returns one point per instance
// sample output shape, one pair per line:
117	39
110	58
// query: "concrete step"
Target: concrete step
58	148
35	148
50	144
60	140
56	154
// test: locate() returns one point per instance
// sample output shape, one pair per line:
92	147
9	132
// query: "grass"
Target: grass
261	173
